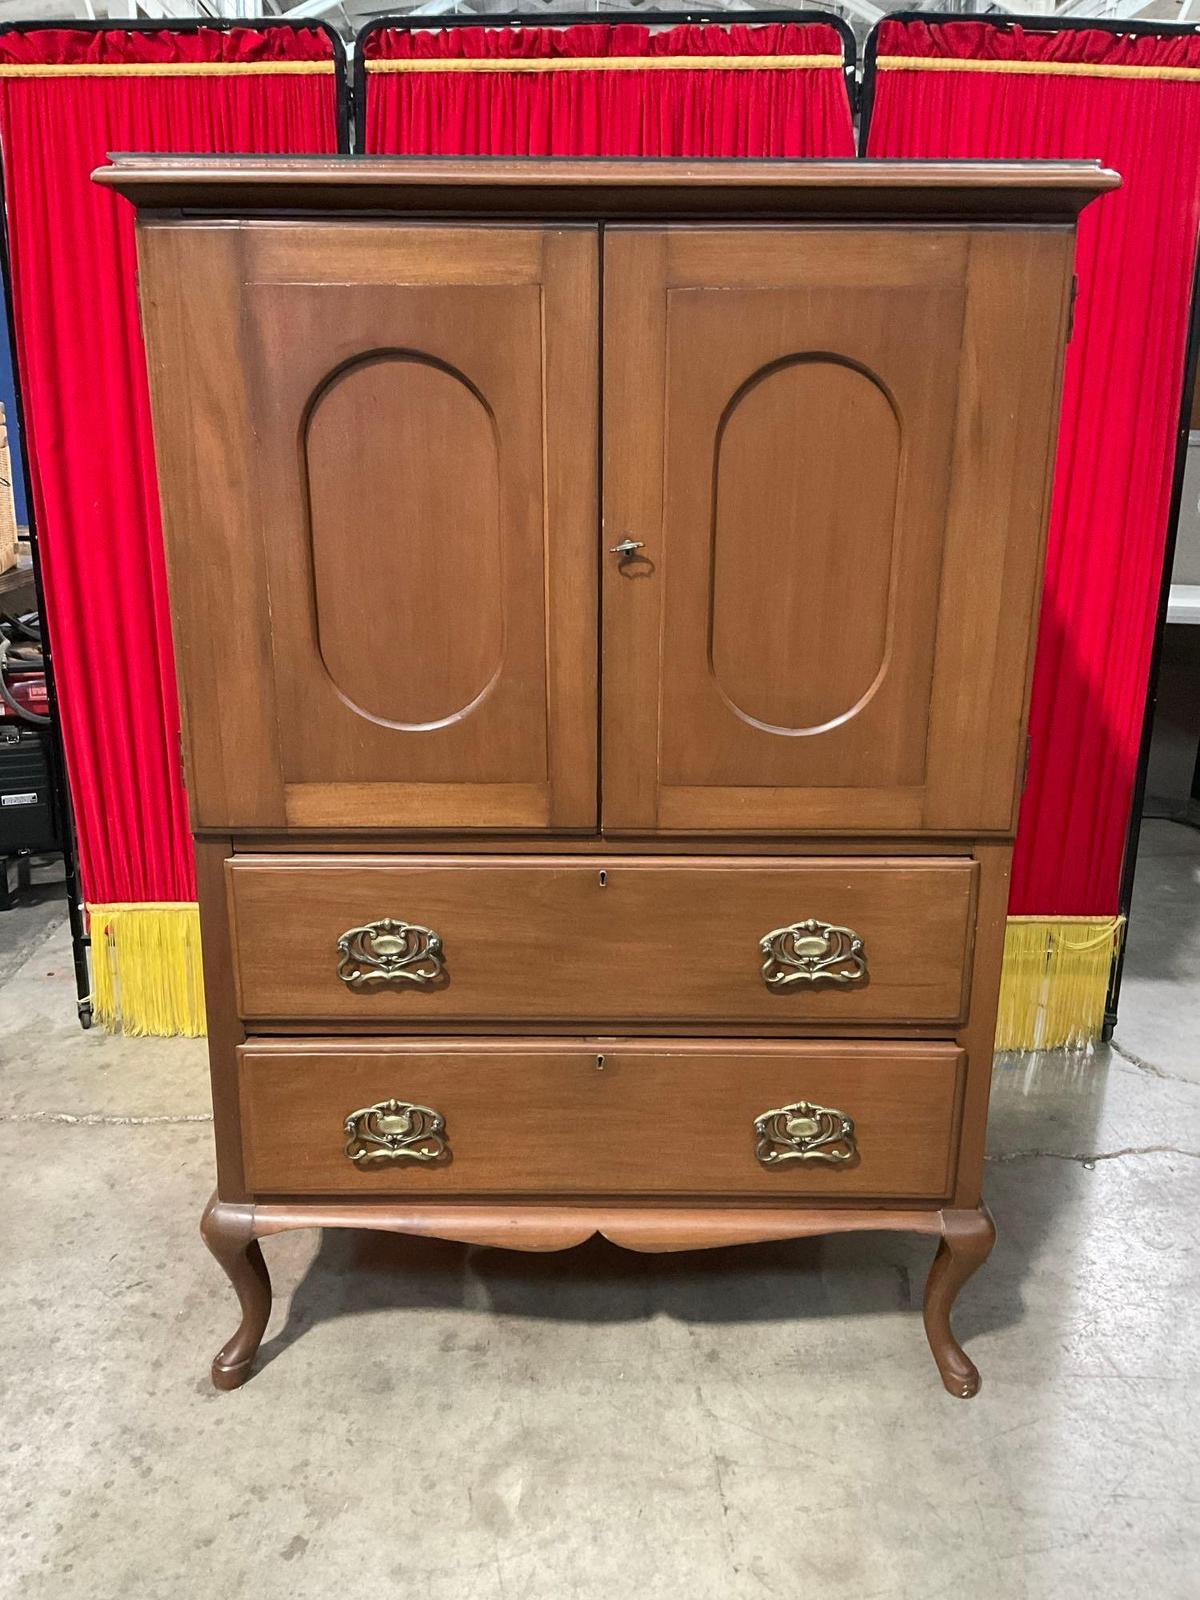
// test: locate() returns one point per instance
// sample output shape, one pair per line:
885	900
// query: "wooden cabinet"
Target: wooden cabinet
604	601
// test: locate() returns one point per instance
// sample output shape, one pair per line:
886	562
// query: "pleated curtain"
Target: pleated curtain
990	90
704	90
67	98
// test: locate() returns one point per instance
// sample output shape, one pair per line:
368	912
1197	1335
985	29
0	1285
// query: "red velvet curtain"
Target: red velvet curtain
1121	395
794	110
83	378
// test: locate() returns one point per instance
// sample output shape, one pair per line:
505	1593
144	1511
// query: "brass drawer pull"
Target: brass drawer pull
804	1132
389	952
396	1130
812	952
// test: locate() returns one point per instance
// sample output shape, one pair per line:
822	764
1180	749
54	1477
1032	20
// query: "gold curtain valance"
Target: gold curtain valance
598	63
1057	69
160	69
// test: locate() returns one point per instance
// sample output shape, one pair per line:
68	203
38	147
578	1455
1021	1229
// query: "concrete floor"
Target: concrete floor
462	1424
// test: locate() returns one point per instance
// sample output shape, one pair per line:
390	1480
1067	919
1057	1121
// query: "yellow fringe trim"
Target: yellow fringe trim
597	63
146	971
1055	980
161	69
1054	69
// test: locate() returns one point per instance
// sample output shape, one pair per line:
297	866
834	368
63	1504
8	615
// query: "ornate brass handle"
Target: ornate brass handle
389	952
396	1130
812	952
804	1132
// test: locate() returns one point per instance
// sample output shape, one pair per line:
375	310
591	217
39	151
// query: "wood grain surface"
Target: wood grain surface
556	1117
608	939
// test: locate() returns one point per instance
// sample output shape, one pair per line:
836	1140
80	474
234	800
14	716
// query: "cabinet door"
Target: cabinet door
835	447
377	447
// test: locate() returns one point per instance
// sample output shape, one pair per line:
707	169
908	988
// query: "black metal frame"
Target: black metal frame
410	23
1050	24
80	939
1132	837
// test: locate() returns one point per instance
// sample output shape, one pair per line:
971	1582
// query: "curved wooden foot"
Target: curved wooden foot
967	1240
228	1231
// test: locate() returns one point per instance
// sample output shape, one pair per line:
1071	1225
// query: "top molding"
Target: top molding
600	189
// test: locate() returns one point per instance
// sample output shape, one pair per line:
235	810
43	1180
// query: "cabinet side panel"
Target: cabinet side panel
190	293
225	1031
979	1035
1019	285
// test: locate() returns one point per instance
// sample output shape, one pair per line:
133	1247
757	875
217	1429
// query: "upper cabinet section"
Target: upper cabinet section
377	447
829	394
834	447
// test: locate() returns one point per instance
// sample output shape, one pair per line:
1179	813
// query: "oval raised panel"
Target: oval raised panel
404	510
804	510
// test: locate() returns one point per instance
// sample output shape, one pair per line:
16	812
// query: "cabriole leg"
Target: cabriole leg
228	1231
967	1240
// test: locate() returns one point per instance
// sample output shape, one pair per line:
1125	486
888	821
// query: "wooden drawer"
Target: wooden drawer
569	939
549	1117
